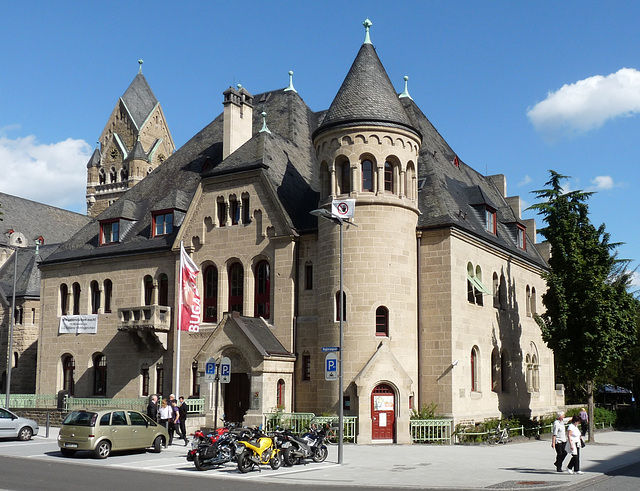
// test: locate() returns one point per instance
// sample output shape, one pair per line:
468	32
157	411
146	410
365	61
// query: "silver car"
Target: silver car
14	426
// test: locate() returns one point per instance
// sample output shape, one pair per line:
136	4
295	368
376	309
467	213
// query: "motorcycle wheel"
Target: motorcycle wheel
276	461
320	454
244	462
199	464
287	458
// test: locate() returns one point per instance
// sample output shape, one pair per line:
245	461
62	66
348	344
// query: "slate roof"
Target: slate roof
449	196
366	96
139	100
260	335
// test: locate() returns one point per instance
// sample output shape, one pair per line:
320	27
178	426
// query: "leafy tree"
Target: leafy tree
590	315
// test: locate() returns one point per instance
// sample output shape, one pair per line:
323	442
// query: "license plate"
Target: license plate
70	445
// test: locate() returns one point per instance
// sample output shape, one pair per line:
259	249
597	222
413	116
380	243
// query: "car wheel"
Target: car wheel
157	444
25	434
103	450
67	452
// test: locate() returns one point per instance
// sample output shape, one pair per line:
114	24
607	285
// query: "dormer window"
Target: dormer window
490	220
109	232
162	223
521	238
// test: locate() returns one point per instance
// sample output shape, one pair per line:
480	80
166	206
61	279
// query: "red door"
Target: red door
382	413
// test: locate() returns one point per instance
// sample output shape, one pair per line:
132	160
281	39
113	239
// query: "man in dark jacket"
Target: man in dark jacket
152	408
183	419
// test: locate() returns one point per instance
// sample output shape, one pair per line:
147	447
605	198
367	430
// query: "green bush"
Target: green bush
426	412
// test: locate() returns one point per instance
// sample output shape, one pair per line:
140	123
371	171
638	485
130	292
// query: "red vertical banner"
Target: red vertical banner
189	296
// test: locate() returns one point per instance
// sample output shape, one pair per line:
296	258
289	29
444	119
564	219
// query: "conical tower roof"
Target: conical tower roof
366	96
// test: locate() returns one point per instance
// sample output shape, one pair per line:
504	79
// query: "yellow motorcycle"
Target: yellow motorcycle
260	449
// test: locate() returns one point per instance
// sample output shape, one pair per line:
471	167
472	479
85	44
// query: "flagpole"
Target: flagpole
179	327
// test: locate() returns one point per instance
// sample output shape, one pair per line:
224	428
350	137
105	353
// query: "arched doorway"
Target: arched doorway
236	397
383	403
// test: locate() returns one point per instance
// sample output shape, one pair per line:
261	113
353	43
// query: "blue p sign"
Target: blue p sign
331	367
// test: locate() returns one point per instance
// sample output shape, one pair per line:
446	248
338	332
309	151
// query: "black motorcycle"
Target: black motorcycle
311	445
214	452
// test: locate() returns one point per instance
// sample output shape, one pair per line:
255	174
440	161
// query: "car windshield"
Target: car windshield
80	418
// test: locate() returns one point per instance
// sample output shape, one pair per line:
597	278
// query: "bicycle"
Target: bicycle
498	435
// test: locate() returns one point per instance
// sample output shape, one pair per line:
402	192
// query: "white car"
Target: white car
14	426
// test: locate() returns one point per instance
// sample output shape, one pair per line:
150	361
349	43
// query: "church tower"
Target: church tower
135	140
367	149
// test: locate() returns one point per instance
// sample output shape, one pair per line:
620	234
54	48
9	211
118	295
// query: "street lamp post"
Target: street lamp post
327	215
12	315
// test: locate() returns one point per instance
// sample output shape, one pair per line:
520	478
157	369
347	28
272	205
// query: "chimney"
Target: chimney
238	119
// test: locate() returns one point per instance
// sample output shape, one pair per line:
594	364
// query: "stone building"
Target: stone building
441	273
33	230
135	140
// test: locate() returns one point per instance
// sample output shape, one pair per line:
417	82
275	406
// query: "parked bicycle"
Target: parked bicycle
498	435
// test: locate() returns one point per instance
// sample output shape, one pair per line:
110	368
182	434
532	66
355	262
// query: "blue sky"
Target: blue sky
515	88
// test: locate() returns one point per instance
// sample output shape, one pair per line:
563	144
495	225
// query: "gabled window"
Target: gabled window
490	220
521	238
109	232
382	321
162	223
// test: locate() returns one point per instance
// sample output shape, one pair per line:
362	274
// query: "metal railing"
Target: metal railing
299	422
431	430
32	401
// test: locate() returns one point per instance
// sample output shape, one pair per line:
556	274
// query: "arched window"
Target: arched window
280	393
159	378
475	369
76	298
144	375
163	290
195	386
263	290
345	178
496	291
529	374
211	294
236	288
528	302
344	306
503	293
495	370
535	373
100	375
382	321
148	290
367	175
234	210
108	292
68	369
113	175
534	307
64	299
505	368
95	297
222	212
410	182
102	178
388	177
478	292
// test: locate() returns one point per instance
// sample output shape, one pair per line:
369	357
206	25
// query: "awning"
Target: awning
477	284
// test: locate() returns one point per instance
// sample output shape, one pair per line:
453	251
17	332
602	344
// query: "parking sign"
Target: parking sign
225	370
210	370
331	367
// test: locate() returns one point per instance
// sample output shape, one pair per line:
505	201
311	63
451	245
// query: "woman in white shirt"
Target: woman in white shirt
574	438
165	414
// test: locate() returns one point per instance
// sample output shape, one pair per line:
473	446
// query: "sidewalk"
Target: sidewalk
516	465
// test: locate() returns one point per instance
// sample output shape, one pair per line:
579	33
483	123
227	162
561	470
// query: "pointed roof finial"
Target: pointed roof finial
140	62
264	123
405	93
367	24
290	88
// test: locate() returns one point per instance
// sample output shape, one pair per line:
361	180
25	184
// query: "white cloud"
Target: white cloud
587	104
54	174
525	180
635	280
603	183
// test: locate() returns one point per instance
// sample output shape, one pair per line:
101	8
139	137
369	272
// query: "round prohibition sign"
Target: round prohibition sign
343	208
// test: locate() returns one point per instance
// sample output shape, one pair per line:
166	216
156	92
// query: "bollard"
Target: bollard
48	424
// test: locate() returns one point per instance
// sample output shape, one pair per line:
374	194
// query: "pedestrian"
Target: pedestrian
152	407
183	409
574	442
584	422
559	440
174	421
164	413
